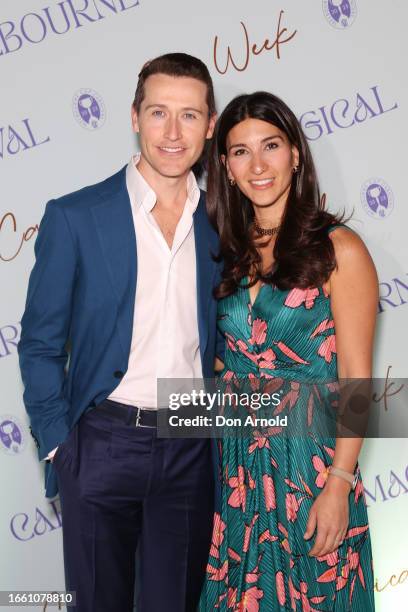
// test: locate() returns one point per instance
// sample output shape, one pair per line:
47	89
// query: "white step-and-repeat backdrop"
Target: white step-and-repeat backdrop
68	71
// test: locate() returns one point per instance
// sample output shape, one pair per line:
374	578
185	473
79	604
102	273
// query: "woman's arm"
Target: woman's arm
218	365
353	289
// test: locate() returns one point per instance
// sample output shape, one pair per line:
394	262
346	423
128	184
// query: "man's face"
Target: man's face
172	124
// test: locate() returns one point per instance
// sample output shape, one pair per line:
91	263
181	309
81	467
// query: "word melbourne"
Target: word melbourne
34	27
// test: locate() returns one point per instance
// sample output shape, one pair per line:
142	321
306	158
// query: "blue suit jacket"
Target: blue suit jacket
82	292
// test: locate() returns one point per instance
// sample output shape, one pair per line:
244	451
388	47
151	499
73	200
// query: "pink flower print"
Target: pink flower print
258	335
230	342
322	469
294	595
306	601
292	507
260	442
353	558
254	381
232	597
358	491
291	397
269	492
285	542
253	576
249	600
266	536
352	564
248	532
286	546
356	531
329	575
331	558
283	530
289	353
280	588
241	346
238	496
327	348
217	574
266	359
234	555
273	385
251	481
228	376
220	600
322	327
329	451
297	297
217	535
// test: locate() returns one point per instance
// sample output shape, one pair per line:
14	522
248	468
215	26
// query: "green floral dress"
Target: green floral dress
259	559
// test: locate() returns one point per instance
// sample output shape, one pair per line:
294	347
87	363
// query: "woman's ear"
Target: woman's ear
295	156
226	164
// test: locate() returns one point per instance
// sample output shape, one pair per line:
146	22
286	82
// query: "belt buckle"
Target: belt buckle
138	418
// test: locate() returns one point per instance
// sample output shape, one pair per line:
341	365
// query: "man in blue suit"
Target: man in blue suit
122	284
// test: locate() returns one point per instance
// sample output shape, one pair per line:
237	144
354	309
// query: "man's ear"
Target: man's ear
135	120
211	126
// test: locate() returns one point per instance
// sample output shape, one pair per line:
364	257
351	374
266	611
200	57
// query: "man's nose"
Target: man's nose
173	131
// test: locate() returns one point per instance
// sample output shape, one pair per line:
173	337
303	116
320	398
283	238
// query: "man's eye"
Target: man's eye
158	113
190	116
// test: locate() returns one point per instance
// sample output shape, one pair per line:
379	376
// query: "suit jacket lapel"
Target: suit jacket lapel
115	227
205	245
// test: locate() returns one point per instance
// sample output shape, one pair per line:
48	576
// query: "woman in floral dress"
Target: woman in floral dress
297	307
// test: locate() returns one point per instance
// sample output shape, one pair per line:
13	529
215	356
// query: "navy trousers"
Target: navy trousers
124	489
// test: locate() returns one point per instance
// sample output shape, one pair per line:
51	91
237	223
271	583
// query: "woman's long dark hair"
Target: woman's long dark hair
303	252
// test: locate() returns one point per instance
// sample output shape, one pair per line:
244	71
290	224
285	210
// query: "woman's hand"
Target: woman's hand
330	514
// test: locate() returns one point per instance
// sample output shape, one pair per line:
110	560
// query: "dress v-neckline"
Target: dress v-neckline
248	289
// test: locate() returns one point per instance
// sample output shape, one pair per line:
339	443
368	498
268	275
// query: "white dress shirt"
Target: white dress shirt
165	340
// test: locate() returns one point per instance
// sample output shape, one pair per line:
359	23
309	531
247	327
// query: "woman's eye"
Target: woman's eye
271	145
239	152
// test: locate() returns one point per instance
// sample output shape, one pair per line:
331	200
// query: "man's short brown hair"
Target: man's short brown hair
177	65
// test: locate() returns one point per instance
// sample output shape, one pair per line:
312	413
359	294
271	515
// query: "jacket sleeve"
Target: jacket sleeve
45	330
220	339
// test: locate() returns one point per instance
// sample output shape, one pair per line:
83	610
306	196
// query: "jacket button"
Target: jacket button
118	374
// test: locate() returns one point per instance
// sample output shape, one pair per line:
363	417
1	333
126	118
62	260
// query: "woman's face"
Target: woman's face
261	159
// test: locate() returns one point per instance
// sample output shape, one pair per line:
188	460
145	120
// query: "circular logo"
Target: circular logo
340	13
89	109
377	198
12	439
